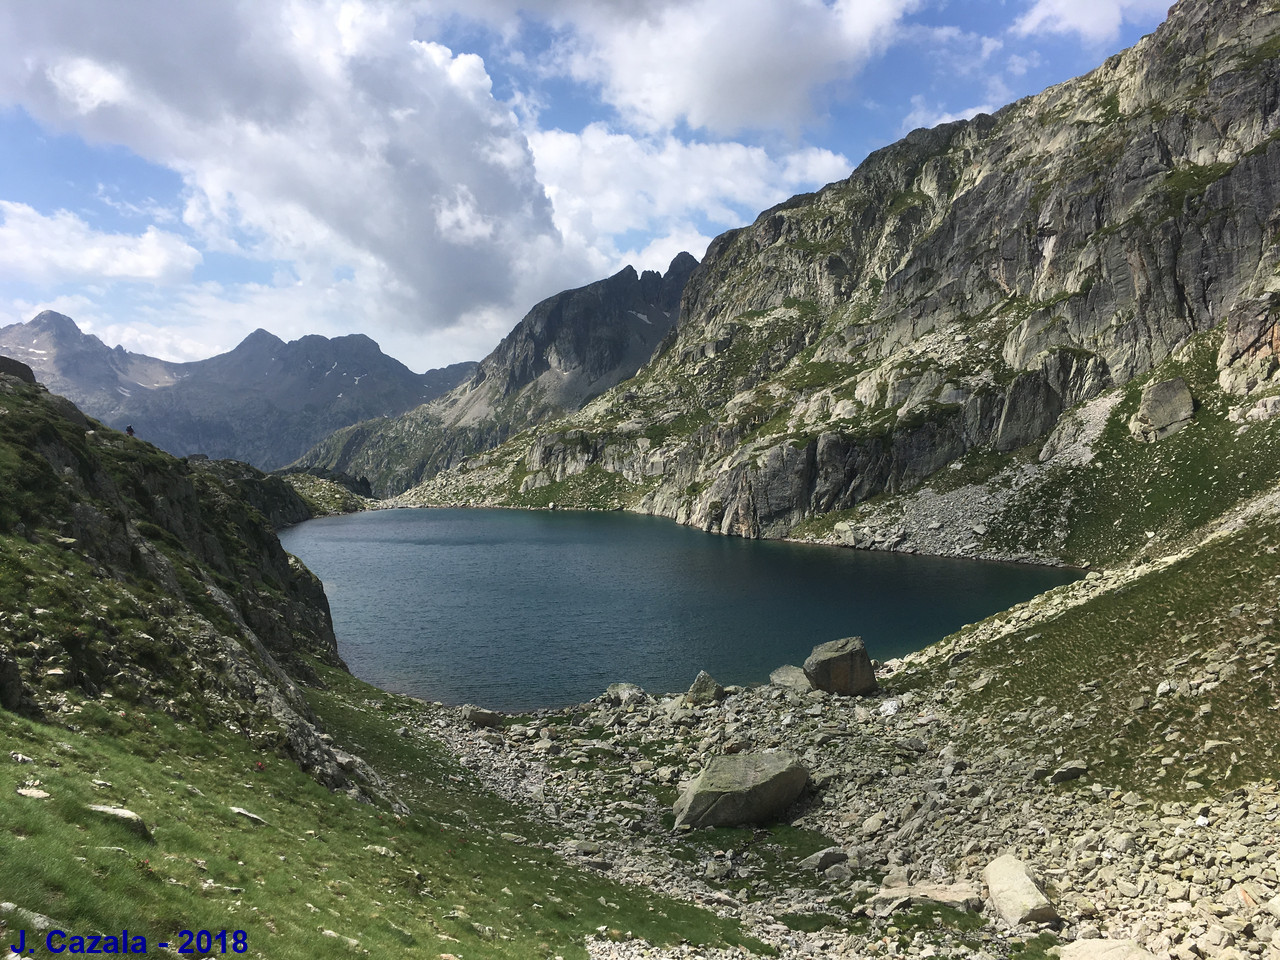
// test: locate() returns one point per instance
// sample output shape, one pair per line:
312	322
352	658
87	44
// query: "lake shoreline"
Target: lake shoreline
436	603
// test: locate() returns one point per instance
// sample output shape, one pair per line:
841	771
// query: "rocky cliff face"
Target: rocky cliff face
568	349
264	402
154	581
959	292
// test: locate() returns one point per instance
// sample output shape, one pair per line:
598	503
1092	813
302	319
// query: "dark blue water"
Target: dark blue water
517	610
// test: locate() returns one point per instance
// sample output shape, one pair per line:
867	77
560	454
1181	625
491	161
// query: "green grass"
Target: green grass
1187	183
1199	624
451	883
1170	488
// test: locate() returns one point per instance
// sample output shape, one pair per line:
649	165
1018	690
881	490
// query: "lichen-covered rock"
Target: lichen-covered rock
742	789
841	666
622	694
791	677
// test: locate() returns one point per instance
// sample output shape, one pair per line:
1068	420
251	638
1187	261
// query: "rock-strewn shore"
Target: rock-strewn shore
906	808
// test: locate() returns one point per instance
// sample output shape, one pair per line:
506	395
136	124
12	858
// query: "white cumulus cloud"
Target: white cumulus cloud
720	65
62	247
322	134
603	184
1096	21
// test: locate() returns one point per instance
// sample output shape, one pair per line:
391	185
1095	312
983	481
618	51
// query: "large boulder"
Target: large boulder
841	666
1165	409
704	690
1015	894
741	789
479	716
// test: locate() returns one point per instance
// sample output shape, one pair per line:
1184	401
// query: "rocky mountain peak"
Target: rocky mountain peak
264	402
568	349
259	341
51	321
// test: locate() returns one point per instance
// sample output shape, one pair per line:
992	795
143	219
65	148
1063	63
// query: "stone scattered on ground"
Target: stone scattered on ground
127	817
251	817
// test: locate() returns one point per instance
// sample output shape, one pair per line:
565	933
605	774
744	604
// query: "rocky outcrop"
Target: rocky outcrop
567	350
742	789
184	600
16	368
1166	408
958	293
264	402
1250	353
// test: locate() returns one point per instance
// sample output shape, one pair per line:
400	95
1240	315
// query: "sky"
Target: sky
175	175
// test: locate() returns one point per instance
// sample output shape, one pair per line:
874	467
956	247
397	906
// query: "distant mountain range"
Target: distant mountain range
265	402
568	349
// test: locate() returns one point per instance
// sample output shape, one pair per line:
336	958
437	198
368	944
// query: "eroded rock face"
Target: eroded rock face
1250	353
1165	409
742	789
841	666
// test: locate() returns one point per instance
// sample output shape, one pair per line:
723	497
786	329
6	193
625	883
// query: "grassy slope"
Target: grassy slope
442	878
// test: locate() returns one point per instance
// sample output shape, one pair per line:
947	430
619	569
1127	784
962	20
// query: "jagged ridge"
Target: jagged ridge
567	349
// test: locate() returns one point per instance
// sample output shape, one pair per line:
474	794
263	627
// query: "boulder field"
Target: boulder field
901	841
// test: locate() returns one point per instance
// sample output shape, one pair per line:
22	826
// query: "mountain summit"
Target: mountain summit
264	402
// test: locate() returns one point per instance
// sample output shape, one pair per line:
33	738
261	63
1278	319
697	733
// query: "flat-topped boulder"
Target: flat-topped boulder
121	815
1014	892
893	897
792	678
841	666
480	717
743	788
1103	950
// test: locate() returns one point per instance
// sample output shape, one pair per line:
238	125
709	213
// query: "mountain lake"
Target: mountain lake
518	610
